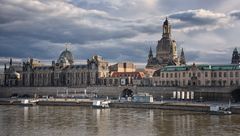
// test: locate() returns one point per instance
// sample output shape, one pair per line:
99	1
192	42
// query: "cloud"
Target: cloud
235	14
116	29
199	19
59	23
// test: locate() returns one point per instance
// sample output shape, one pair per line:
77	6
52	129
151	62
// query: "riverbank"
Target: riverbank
184	106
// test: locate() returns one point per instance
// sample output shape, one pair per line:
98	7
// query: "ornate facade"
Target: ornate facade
166	51
198	75
61	73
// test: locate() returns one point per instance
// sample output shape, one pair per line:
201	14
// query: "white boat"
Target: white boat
27	102
217	110
101	103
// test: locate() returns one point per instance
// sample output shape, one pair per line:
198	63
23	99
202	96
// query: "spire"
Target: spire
182	58
10	63
150	55
235	57
5	67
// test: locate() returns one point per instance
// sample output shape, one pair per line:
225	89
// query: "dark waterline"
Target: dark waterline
84	121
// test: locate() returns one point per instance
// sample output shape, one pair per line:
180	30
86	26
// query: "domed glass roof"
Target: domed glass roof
65	56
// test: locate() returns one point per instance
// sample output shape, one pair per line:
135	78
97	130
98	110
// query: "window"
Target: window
166	75
199	82
231	74
189	74
183	74
220	74
175	75
206	74
225	74
237	83
171	75
215	74
231	82
236	74
162	75
199	74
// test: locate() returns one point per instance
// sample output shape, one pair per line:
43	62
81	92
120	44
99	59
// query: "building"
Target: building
2	79
63	72
235	57
123	73
124	78
122	67
198	75
12	74
166	51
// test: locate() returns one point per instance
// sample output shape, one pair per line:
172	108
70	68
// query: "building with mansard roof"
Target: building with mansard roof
166	51
198	75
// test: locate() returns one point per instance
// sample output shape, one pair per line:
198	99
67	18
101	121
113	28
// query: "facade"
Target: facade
198	75
235	57
61	73
124	78
122	67
12	74
166	51
122	74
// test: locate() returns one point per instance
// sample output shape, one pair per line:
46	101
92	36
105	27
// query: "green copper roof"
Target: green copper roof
202	67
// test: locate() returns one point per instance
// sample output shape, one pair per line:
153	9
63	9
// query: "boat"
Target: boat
217	110
28	102
100	104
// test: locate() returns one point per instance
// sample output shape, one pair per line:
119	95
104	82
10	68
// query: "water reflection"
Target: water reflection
61	121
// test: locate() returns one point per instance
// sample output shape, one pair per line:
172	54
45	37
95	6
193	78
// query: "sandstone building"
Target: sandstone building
166	51
60	73
198	75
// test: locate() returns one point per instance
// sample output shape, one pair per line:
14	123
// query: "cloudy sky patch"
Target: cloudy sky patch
117	30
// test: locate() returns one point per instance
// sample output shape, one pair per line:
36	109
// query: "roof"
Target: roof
127	74
202	67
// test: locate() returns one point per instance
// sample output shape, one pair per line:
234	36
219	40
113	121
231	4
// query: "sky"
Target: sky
118	30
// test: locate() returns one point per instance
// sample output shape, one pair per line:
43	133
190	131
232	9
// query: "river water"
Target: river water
85	121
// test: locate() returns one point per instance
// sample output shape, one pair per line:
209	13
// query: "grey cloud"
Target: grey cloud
235	14
40	29
75	25
200	19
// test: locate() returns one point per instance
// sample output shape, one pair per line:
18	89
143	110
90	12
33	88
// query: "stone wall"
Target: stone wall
206	93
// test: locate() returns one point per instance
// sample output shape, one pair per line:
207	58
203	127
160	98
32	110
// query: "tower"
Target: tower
166	48
166	29
235	57
10	63
182	58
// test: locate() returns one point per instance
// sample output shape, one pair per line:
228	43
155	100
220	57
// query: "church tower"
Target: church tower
166	29
166	48
235	57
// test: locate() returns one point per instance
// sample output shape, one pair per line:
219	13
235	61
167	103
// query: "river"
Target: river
85	121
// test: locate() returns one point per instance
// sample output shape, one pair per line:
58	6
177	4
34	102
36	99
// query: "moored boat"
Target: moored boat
100	104
217	110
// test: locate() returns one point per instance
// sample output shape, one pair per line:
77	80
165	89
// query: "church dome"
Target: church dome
66	56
